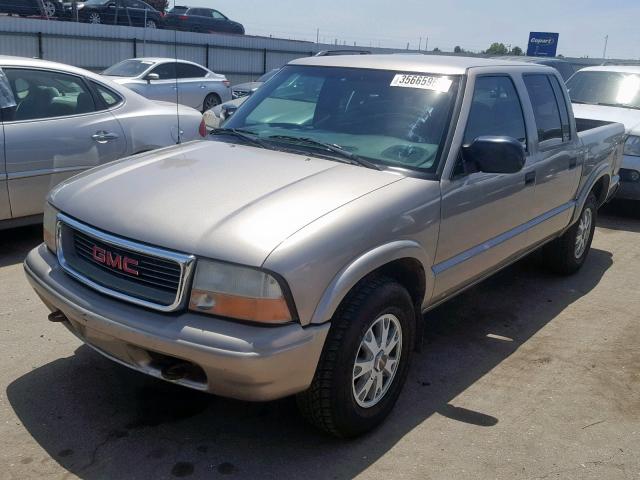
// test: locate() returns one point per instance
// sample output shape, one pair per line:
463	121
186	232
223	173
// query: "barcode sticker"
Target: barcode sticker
426	82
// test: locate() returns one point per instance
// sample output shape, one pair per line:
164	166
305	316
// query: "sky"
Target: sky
473	25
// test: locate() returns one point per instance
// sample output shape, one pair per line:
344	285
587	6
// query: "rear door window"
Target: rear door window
186	70
545	107
562	104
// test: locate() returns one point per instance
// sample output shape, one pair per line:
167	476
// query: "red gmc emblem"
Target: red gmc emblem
115	261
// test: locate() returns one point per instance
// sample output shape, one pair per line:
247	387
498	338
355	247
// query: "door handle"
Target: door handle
530	178
203	86
104	137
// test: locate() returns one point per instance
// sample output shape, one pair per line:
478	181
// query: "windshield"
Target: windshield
389	118
605	88
128	68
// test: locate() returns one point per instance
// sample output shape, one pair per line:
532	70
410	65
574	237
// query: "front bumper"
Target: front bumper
230	359
629	190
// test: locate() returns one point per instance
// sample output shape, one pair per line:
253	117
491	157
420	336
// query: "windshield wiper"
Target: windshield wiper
245	135
351	158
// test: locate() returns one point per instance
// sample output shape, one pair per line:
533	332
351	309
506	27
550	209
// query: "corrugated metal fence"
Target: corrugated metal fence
96	47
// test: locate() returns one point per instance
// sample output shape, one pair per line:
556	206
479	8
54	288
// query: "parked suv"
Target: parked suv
345	198
202	20
135	13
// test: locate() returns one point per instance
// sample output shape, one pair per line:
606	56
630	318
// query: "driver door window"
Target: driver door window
495	110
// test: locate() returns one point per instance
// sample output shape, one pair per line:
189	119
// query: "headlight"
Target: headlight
632	146
238	292
49	226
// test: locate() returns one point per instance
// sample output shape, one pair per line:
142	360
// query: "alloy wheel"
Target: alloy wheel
377	360
49	8
95	18
584	231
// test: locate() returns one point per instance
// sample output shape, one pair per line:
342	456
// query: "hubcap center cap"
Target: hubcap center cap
380	361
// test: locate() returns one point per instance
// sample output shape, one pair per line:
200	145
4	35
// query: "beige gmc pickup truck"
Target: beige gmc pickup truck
297	251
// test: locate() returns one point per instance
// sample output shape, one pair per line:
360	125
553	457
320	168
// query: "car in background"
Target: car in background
612	93
135	13
200	20
565	68
214	117
57	120
169	79
50	8
246	89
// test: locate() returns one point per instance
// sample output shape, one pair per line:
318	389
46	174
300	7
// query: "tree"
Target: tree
437	49
160	5
497	49
517	51
458	49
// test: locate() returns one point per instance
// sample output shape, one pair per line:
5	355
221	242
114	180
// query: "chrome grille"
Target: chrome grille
138	273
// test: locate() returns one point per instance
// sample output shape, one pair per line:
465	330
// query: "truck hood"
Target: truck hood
214	199
629	117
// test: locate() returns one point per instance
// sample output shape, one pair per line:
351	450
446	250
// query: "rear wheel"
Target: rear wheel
365	360
565	255
210	101
95	18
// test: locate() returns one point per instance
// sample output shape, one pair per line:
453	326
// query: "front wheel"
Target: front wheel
365	360
567	254
50	9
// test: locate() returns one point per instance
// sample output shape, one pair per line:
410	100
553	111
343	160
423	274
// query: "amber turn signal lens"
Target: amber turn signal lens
264	310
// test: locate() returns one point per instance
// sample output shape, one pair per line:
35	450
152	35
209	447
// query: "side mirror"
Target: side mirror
495	154
152	76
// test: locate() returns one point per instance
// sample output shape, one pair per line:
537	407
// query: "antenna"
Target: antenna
175	50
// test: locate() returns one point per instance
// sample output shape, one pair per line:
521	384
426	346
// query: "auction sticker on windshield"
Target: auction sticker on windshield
426	82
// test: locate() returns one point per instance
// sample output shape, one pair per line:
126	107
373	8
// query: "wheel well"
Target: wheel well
600	189
409	273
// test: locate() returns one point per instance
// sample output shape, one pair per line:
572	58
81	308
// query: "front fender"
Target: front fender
363	265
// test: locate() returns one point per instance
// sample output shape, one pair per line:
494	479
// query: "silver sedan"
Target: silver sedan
169	79
57	120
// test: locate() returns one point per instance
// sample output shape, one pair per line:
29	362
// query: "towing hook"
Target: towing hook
57	317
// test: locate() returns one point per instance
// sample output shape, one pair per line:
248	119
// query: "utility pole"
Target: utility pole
426	45
420	44
317	35
606	40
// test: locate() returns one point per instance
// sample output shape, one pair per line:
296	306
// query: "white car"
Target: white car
612	93
57	120
170	80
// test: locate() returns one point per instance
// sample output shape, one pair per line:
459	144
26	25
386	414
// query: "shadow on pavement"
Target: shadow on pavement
17	242
620	215
99	420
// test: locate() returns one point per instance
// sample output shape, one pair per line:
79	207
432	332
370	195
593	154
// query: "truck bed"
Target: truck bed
583	124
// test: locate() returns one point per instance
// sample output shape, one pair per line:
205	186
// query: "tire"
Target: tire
567	254
94	18
330	403
151	24
210	101
50	9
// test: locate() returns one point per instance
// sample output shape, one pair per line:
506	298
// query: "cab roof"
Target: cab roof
442	64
